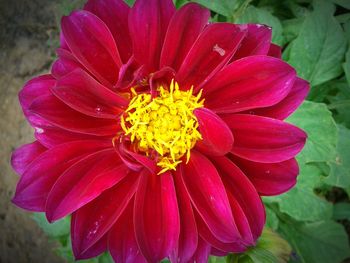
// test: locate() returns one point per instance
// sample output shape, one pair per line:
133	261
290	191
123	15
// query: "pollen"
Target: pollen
164	126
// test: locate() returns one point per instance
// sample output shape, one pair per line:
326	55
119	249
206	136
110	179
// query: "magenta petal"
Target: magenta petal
22	157
36	182
217	137
95	219
51	136
84	94
211	51
97	249
83	182
241	222
188	240
183	30
270	178
208	196
135	161
121	239
202	253
148	23
243	191
156	216
93	45
257	41
57	113
252	82
65	63
275	51
263	139
63	43
36	87
114	13
289	104
207	235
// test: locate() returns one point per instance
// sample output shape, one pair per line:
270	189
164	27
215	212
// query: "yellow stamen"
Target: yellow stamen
165	124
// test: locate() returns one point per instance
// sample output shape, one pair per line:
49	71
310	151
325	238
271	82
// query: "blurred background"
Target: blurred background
28	38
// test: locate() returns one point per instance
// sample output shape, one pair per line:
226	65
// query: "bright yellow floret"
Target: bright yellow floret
165	124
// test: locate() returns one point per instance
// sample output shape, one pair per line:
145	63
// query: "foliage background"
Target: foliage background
314	217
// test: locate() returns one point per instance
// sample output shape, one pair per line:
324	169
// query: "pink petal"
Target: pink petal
57	113
211	51
83	182
188	240
289	104
202	253
94	220
36	182
208	196
84	94
63	43
217	137
207	235
51	136
184	28
114	13
264	140
93	45
270	178
97	249
218	253
257	41
122	242
252	82
135	161
34	88
65	63
275	51
243	191
241	222
148	23
23	156
156	216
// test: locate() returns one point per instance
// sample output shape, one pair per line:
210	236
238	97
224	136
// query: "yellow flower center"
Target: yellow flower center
165	124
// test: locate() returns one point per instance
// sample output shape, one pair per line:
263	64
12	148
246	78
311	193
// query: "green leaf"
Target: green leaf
54	230
260	255
261	16
340	102
301	202
130	2
270	248
271	219
343	18
291	28
217	259
340	165
297	10
321	242
316	120
223	7
343	3
318	51
346	66
341	211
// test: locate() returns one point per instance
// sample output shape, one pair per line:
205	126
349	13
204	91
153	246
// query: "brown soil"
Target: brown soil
25	28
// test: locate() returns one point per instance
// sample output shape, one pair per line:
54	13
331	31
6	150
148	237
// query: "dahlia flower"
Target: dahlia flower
158	132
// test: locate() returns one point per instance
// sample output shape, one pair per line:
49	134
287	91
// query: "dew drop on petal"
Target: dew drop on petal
219	50
98	109
39	130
